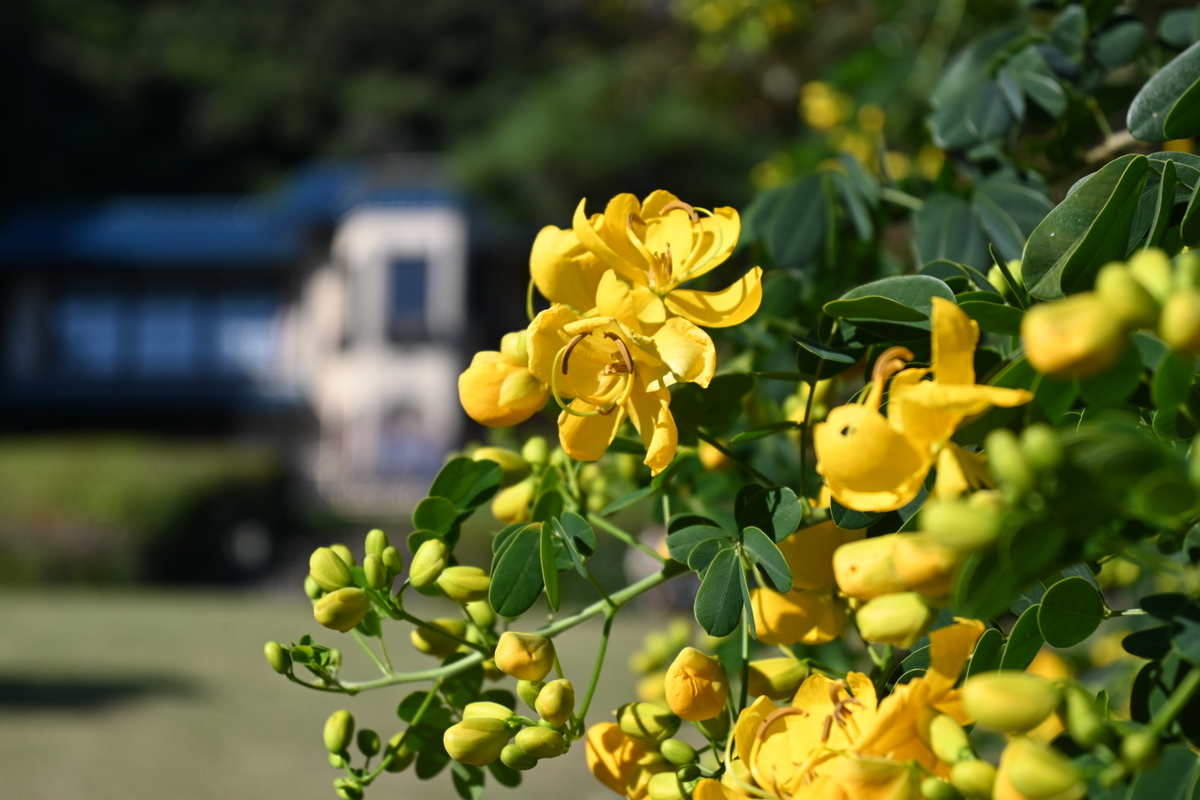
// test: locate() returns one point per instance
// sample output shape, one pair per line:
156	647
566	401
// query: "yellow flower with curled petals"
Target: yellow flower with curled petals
619	762
613	369
875	463
654	247
498	389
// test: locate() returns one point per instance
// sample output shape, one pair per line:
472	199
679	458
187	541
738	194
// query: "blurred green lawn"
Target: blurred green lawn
152	694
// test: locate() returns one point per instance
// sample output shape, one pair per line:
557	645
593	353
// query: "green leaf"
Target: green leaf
988	115
1113	387
549	565
432	759
955	90
1070	612
714	408
1179	27
1024	641
1167	105
576	558
1152	643
435	514
1172	425
549	505
517	574
947	229
455	480
790	221
775	510
1009	211
913	292
1085	231
1175	777
1165	204
767	557
1189	227
578	533
1045	91
719	600
988	650
763	431
703	553
747	605
504	774
994	317
1172	382
488	477
462	687
860	215
1119	43
627	500
468	780
1152	687
680	543
849	519
1185	634
829	360
873	308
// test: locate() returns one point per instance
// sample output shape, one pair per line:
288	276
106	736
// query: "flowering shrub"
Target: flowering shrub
908	504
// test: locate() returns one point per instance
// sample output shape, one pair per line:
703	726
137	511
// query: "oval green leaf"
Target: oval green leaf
719	600
767	557
549	565
1156	115
1070	612
1024	641
517	573
435	514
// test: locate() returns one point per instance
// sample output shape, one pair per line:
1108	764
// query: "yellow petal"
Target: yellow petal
809	553
563	270
730	306
954	338
929	411
546	337
685	354
650	413
614	299
785	618
618	257
611	755
587	438
867	465
747	725
959	472
497	393
949	648
715	238
650	309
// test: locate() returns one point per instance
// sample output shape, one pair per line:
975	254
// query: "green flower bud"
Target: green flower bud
664	786
536	451
541	742
647	723
312	588
476	741
347	789
343	553
329	570
528	691
428	563
511	505
343	609
392	560
376	542
1140	750
525	656
400	753
1084	722
368	742
1037	771
1180	323
958	525
278	657
511	464
480	612
464	584
484	708
938	789
376	572
515	757
338	761
339	730
948	741
1041	447
556	702
776	678
864	569
1006	460
688	772
1152	269
973	778
1126	297
678	752
716	728
898	619
1009	701
434	644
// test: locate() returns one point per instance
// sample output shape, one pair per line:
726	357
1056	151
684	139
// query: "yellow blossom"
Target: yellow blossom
696	686
619	762
875	463
498	390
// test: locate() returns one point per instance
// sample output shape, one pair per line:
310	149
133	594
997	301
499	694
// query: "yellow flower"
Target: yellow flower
653	247
875	463
498	390
619	762
696	686
613	369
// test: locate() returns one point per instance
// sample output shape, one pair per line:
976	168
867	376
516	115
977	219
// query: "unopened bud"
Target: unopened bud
948	741
392	560
525	656
880	778
347	789
1009	701
647	723
400	753
1126	297
776	678
528	691
541	742
556	702
898	619
974	778
864	569
338	761
716	728
536	451
1007	462
1152	269
376	542
1037	771
428	563
485	708
958	525
511	505
343	553
329	570
696	685
513	756
1077	337
926	565
278	657
511	464
1140	750
339	730
481	613
312	588
1084	722
435	644
343	609
678	752
477	741
688	772
1041	447
464	584
368	742
938	789
376	572
1179	326
664	786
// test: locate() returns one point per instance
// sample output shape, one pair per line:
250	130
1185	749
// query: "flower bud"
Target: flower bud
485	708
432	643
312	588
1038	772
688	772
948	741
1084	722
343	609
1126	297
329	570
525	656
556	702
513	756
343	553
864	569
368	742
347	789
464	584
925	565
339	730
880	778
716	728
480	612
541	742
400	753
278	657
1009	701
898	619
498	390
376	572
959	525
678	752
646	723
1007	461
536	450
376	542
1077	337
1152	269
428	563
664	786
392	560
528	691
776	678
477	741
1041	447
696	685
974	778
938	789
512	465
511	505
1180	323
1140	750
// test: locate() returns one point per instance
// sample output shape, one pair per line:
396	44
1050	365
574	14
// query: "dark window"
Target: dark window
406	299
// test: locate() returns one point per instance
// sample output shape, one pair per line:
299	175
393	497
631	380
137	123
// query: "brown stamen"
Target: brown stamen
779	713
680	204
579	337
624	352
890	362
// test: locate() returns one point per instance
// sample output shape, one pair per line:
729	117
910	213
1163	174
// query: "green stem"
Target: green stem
386	658
901	198
725	451
600	522
1179	698
529	300
416	720
609	616
745	661
366	648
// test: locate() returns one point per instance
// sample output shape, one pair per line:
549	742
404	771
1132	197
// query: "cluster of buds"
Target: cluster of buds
521	473
1086	333
339	587
339	734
